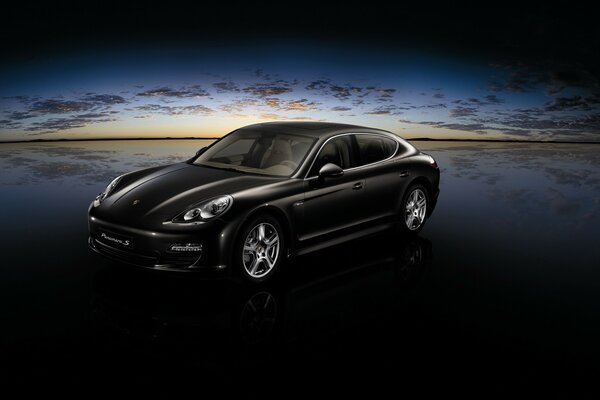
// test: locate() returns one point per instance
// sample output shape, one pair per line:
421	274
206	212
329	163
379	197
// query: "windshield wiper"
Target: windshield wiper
222	168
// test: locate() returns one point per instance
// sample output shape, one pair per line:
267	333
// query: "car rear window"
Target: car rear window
373	148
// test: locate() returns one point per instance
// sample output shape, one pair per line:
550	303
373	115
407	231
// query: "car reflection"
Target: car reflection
320	297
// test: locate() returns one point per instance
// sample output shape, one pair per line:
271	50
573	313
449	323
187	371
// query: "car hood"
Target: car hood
162	193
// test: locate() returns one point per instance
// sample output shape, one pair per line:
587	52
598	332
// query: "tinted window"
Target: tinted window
373	148
337	151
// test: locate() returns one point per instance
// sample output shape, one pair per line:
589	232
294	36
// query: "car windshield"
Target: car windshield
257	152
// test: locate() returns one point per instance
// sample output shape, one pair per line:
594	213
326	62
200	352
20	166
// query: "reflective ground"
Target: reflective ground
499	294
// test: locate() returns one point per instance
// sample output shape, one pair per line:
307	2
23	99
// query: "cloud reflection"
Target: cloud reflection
508	184
553	185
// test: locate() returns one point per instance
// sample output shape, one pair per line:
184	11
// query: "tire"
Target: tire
258	254
413	210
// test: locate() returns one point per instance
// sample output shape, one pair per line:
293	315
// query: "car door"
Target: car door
386	177
333	203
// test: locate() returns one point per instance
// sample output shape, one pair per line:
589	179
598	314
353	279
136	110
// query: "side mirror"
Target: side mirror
330	170
202	150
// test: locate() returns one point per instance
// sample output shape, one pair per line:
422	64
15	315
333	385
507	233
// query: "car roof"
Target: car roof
313	129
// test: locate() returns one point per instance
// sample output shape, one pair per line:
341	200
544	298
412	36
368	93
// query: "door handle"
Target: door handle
404	174
357	186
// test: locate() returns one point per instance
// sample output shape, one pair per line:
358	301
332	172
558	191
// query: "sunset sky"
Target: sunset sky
208	87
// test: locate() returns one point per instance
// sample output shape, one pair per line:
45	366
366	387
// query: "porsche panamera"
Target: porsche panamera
263	193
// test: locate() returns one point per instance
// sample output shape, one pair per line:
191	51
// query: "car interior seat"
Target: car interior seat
280	150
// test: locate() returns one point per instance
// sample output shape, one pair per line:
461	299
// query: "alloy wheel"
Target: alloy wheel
261	250
415	210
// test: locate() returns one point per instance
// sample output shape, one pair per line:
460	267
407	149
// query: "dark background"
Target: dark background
568	32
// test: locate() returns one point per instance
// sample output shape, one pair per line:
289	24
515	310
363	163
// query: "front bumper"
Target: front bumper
153	249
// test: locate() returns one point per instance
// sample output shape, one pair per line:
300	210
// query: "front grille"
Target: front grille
129	256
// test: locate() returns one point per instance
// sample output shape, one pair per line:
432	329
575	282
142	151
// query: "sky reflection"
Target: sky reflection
551	191
538	194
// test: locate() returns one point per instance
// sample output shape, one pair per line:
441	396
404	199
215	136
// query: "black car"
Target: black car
263	193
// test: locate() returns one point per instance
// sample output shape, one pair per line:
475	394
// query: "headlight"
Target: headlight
111	186
206	210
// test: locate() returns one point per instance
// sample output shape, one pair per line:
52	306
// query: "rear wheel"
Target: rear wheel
414	209
260	249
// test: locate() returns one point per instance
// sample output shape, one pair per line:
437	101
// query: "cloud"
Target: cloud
273	102
10	124
319	84
242	105
381	94
91	102
424	106
408	121
344	92
54	106
568	103
535	119
299	105
594	98
19	115
239	105
22	99
553	78
267	77
482	128
341	108
106	99
439	95
197	109
153	108
521	80
175	110
93	115
379	112
493	99
194	91
460	112
538	123
264	90
476	127
386	110
65	123
226	87
511	132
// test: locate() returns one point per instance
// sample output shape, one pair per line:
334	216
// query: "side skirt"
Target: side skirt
344	238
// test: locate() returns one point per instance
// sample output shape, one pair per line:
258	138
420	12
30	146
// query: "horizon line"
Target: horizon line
422	139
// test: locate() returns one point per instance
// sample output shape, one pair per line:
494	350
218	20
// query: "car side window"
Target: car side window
337	151
373	148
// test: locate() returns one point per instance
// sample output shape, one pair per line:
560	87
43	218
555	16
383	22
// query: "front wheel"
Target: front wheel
260	249
413	212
